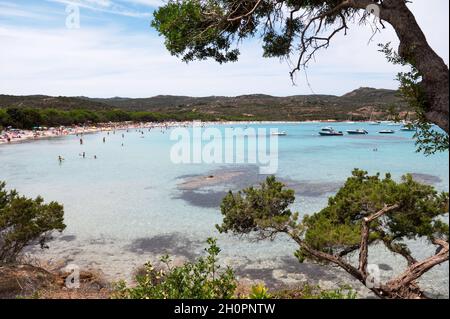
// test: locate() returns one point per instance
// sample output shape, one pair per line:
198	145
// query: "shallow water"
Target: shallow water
131	203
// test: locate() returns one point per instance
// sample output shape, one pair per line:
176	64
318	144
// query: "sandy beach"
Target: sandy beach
18	135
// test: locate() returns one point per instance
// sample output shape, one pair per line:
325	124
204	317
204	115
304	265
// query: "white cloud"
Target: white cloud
106	61
106	6
150	3
12	10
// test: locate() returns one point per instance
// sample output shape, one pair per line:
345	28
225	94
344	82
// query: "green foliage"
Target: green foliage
257	209
201	279
192	34
184	108
25	221
26	118
196	30
428	139
338	226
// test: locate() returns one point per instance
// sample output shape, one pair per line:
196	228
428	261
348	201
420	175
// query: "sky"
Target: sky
115	52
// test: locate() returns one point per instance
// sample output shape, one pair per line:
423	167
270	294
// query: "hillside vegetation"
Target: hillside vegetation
357	105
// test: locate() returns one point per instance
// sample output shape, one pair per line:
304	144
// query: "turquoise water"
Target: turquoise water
127	206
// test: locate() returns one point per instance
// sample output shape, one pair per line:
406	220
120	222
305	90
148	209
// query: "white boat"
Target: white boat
350	120
358	132
329	131
372	122
279	133
387	132
408	128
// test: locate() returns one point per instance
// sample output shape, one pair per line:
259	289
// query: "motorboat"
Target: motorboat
279	133
329	131
387	132
357	132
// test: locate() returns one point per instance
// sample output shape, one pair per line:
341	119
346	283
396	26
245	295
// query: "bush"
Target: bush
194	280
366	211
25	221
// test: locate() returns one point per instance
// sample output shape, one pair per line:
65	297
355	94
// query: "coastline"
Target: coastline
20	136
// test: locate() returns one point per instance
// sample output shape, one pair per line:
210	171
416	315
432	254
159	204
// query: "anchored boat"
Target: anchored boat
329	131
357	132
279	133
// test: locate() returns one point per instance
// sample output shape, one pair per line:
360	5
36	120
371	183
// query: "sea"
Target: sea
127	201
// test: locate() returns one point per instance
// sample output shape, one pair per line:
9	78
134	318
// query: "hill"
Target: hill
358	104
46	102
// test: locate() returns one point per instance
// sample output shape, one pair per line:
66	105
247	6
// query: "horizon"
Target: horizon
115	50
192	96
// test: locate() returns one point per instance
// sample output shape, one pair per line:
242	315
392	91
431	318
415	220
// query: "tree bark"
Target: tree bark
415	49
401	287
415	271
365	233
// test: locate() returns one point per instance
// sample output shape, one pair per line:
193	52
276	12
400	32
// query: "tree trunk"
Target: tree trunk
416	50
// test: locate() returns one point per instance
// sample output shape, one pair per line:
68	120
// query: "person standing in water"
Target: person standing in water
84	154
81	141
104	140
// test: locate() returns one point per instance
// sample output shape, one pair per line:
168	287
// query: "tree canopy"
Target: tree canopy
201	29
367	210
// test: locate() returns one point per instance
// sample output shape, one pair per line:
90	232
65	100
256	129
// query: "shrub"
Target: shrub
201	279
25	221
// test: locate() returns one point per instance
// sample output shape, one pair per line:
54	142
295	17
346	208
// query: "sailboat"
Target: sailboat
350	120
408	125
372	122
